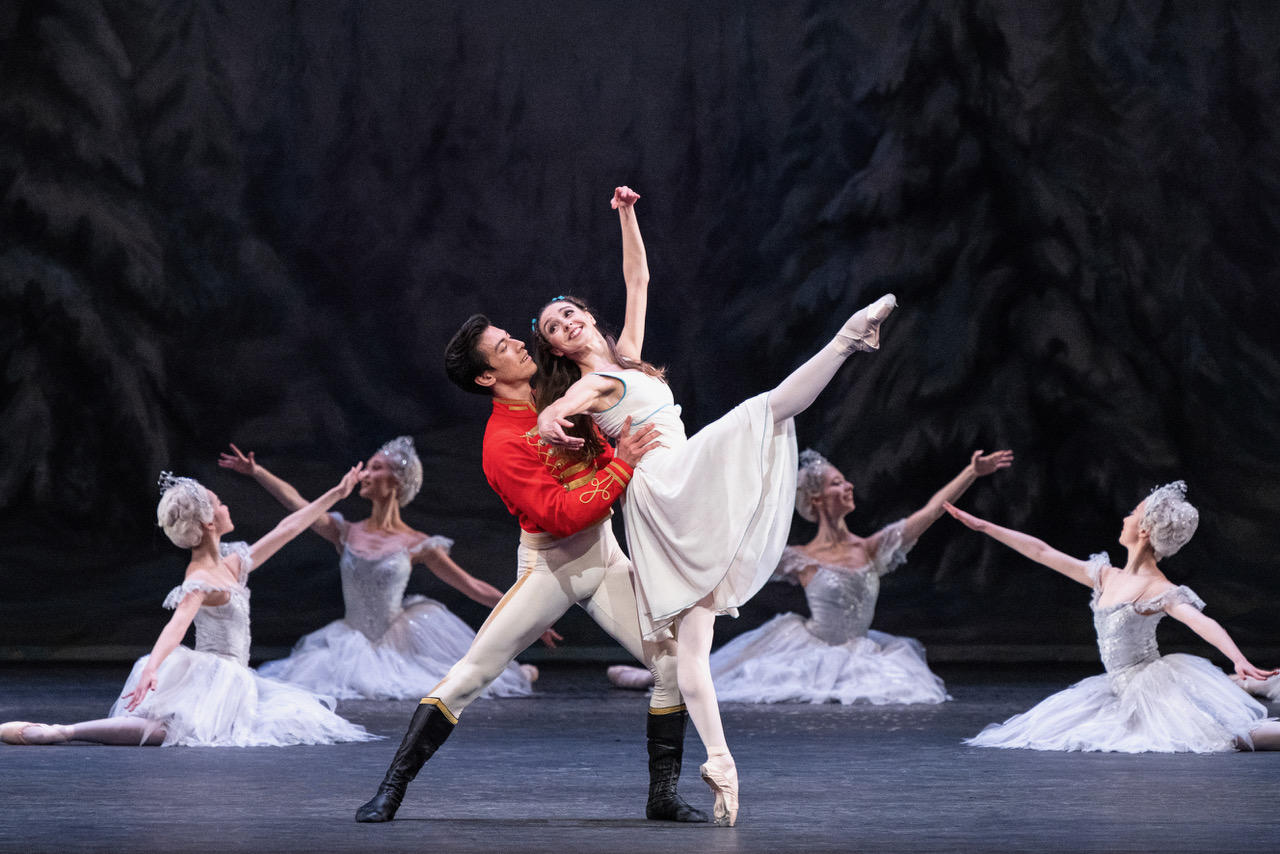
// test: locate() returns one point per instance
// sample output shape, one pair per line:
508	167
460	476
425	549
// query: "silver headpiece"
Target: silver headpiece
406	467
194	489
1169	518
809	482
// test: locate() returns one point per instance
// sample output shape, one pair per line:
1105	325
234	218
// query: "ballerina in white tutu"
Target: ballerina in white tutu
707	516
834	655
388	645
1145	702
208	696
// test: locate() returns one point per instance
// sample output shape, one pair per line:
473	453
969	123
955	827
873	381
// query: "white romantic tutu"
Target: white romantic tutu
407	661
782	661
206	700
1175	704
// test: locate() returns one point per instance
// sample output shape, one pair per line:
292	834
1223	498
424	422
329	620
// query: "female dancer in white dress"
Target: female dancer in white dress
706	517
1145	702
834	655
387	646
208	696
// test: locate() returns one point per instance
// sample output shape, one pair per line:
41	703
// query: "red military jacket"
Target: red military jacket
544	490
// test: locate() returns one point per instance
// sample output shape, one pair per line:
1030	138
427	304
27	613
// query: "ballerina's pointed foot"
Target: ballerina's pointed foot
862	330
721	774
632	678
16	732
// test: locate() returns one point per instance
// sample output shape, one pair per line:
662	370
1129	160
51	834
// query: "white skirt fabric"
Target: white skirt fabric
782	662
410	658
1175	704
207	700
711	515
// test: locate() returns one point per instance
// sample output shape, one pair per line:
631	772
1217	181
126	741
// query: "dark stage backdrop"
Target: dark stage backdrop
260	222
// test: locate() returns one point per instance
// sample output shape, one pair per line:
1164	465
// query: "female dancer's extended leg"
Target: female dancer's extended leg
860	332
122	730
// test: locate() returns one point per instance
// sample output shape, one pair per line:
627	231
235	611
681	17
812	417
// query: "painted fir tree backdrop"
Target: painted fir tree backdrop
260	223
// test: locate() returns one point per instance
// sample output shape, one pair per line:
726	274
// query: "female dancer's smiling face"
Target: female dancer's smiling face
378	480
567	328
836	496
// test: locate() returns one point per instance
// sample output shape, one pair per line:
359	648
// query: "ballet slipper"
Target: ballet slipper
721	774
14	732
530	672
862	330
631	678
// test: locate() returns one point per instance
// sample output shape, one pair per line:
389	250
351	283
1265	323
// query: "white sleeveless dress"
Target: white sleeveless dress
388	646
834	655
708	513
1145	702
209	697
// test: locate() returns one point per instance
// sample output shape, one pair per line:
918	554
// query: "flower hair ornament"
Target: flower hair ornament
406	467
533	324
192	487
1169	519
809	482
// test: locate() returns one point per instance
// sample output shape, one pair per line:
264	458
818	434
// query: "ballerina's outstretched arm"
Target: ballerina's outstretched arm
586	395
980	465
635	272
170	636
1026	545
299	520
1214	634
279	489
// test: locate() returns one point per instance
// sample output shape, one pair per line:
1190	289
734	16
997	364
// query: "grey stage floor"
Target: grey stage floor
566	772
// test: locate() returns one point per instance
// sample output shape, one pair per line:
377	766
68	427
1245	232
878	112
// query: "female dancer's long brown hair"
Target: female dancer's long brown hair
557	373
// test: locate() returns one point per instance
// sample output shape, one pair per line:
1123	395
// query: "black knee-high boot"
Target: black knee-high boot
428	729
666	750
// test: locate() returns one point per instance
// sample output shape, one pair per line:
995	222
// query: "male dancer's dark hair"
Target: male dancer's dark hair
462	359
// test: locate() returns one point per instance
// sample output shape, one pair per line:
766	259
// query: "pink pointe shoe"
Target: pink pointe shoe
631	678
862	330
721	774
530	672
14	732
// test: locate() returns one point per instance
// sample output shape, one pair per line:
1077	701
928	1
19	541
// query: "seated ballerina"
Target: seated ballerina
388	646
208	696
1145	702
834	655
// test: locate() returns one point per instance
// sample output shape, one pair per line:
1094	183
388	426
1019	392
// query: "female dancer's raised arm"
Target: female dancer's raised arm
635	272
980	465
301	519
1216	636
279	489
1025	545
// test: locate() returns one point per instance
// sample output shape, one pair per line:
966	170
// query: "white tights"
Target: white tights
801	388
587	568
693	667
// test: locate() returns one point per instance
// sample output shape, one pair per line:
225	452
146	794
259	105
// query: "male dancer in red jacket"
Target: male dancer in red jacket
567	555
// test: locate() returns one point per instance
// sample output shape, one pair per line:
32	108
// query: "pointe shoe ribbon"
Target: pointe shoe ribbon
721	775
862	330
